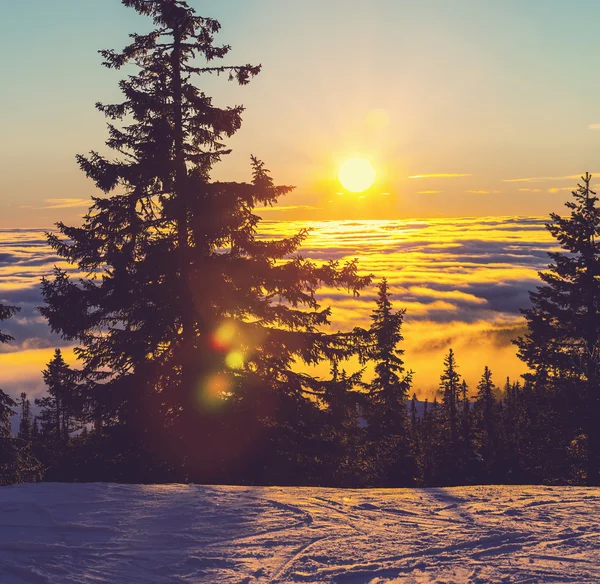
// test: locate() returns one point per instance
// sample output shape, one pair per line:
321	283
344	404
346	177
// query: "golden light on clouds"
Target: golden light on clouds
357	175
439	175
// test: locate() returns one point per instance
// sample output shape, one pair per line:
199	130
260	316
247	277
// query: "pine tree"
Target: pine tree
60	409
561	346
454	450
389	431
486	416
449	388
8	453
466	448
186	308
7	312
16	463
6	412
416	436
391	384
25	427
342	432
414	417
465	416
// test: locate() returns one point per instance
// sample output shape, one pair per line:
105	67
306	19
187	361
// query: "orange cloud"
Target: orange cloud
66	203
440	175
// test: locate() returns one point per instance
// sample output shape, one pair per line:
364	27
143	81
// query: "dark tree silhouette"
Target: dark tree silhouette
16	463
449	388
390	385
561	346
389	431
186	306
7	312
61	408
25	423
486	415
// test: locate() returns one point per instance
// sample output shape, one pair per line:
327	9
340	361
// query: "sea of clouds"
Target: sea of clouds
462	282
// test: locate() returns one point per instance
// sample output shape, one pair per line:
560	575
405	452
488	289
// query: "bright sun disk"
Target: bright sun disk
357	175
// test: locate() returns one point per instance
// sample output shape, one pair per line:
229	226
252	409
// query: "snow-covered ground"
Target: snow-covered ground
121	534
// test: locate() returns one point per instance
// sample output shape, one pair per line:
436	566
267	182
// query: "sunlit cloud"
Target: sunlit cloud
66	203
560	189
594	127
482	192
428	192
281	208
530	190
546	178
462	282
440	175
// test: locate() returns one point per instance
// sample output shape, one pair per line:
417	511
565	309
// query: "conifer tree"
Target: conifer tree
465	416
416	436
391	384
174	259
8	451
25	426
389	431
16	463
342	432
449	388
486	420
561	345
454	449
414	418
60	409
7	312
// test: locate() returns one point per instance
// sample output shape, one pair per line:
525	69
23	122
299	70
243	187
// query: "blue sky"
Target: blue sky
495	90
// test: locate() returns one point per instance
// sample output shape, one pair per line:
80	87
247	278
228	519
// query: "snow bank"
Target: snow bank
105	533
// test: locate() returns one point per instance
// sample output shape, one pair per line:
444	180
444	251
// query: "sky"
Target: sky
492	91
478	117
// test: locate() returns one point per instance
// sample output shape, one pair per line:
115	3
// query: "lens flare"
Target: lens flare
213	389
235	360
224	336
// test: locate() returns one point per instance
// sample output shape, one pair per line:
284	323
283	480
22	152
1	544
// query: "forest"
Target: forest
196	336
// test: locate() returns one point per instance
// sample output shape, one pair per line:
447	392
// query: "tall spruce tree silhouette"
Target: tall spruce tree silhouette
561	346
388	391
184	304
449	388
390	385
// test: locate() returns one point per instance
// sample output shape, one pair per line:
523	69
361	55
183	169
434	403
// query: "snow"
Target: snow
105	533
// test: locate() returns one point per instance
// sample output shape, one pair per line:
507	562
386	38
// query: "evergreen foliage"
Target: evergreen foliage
16	462
561	345
388	392
198	338
186	309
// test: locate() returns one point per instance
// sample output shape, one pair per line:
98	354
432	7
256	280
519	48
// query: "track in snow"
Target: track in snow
106	533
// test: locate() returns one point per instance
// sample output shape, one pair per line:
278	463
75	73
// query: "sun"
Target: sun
357	175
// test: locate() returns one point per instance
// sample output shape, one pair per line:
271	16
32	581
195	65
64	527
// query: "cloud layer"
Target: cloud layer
461	281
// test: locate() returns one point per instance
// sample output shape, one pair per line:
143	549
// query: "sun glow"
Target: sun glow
357	175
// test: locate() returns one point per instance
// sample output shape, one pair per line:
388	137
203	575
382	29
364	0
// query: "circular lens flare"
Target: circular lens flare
212	390
357	175
235	360
224	336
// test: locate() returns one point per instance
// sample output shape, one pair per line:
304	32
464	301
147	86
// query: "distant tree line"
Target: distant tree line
195	335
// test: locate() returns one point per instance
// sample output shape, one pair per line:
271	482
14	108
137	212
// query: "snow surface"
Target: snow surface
107	533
